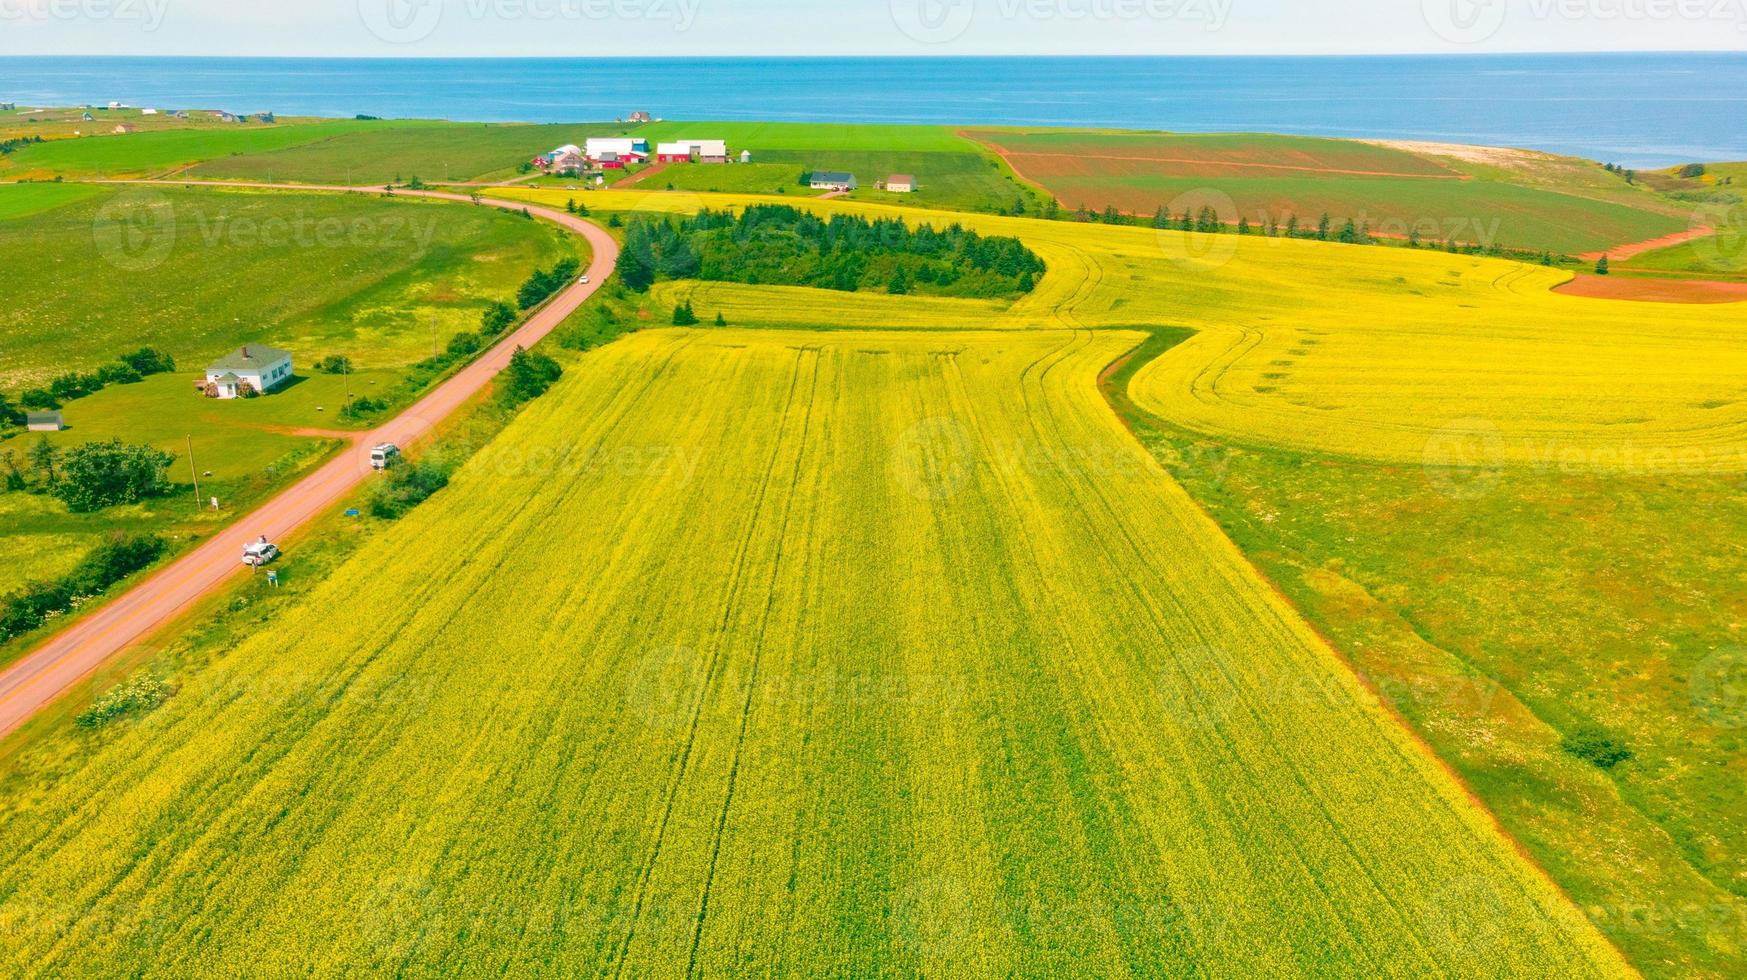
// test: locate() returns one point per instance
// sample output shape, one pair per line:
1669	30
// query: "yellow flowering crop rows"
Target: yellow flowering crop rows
1376	353
746	652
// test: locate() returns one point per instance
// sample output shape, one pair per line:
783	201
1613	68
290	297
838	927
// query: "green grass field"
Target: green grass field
24	200
152	154
197	272
432	152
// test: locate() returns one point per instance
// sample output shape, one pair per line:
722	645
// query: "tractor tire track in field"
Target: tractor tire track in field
746	705
712	676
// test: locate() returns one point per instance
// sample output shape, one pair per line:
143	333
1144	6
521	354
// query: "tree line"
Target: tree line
782	245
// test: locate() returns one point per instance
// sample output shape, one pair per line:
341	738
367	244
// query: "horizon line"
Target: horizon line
1055	56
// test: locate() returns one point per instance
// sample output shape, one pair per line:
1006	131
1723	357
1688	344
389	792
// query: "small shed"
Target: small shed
745	156
901	184
45	422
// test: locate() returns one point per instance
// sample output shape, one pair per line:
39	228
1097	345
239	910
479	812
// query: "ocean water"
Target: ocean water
1638	110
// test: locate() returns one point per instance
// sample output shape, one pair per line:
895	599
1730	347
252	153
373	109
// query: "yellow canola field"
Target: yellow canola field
745	651
1375	353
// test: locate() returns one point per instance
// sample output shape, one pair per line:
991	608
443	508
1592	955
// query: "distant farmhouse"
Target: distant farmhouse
899	184
566	160
833	180
259	368
692	151
640	117
126	128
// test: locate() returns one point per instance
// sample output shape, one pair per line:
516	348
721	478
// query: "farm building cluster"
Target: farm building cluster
604	153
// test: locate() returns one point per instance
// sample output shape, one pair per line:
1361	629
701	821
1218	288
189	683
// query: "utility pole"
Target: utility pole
194	472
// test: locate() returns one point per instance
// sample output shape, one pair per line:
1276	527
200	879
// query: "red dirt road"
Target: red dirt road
49	671
1632	250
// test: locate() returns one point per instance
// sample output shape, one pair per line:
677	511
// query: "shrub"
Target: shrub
111	562
148	361
107	474
118	374
334	364
406	487
465	345
136	697
1596	747
361	408
527	377
497	318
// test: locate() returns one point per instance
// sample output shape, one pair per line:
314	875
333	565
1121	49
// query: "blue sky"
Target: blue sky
420	28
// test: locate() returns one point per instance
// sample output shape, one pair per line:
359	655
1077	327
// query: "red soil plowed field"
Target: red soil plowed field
1655	290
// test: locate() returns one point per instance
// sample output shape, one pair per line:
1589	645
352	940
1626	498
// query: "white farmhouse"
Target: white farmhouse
260	368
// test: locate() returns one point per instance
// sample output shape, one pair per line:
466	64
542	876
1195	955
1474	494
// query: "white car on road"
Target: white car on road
260	553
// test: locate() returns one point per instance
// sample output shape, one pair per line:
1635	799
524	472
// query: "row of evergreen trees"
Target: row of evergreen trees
777	244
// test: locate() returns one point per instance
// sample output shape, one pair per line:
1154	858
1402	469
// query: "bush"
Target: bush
527	377
497	318
38	399
112	561
407	486
148	361
362	408
108	474
118	374
1596	747
136	697
465	345
334	364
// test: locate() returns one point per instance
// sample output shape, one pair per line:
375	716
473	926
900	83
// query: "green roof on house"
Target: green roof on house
254	357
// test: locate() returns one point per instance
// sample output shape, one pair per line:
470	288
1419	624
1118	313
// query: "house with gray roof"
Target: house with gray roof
833	180
262	368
